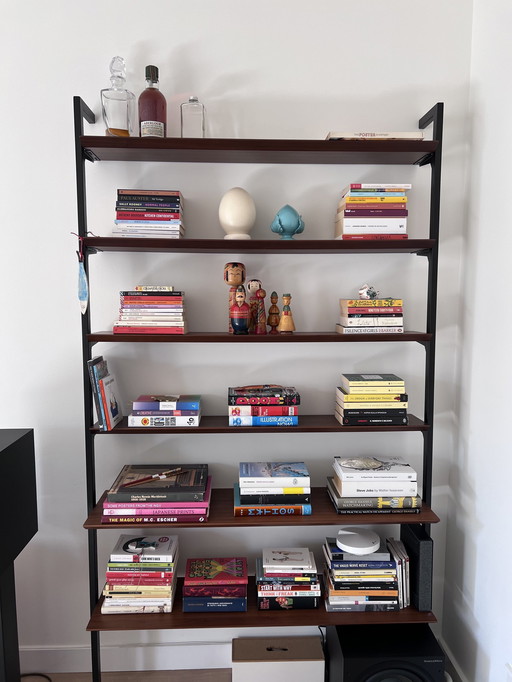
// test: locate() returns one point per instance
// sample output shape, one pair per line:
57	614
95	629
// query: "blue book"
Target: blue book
167	402
191	604
253	420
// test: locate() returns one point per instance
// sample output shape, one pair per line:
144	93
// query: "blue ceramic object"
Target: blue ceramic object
287	222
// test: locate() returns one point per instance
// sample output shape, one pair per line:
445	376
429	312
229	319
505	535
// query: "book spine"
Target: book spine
285	603
287	593
153	221
377	489
369	330
148	330
362	421
271	490
161	496
165	413
372	406
159	422
351	389
214	591
371	236
249	399
381	185
158	205
140	578
262	410
195	604
166	405
105	410
386	412
371	302
98	401
149	192
273	510
166	511
165	506
263	421
140	215
342	566
135	520
367	321
384	503
397	396
270	484
262	500
373	213
349	200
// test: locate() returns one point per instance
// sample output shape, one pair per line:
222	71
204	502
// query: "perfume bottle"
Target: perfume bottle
192	118
118	105
152	107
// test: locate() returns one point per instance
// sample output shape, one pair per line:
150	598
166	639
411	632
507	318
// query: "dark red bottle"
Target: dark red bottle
152	107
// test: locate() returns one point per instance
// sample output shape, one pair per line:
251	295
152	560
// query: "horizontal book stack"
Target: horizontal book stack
159	493
369	211
371	316
360	582
157	411
159	310
371	400
141	575
376	485
218	584
149	213
263	405
286	578
105	394
272	489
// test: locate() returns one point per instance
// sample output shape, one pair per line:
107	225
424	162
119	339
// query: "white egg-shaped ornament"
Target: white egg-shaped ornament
237	213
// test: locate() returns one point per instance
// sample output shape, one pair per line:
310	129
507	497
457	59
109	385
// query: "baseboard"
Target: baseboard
201	655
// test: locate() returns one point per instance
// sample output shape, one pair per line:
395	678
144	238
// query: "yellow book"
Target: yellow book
372	200
370	302
369	397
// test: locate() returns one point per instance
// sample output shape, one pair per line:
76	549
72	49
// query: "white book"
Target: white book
167	421
341	329
367	321
290	558
370	135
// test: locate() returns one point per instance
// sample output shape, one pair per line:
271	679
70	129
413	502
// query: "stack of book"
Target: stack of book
149	213
371	400
286	578
372	211
371	316
165	411
215	584
156	310
374	485
105	394
272	489
159	493
360	582
263	405
141	575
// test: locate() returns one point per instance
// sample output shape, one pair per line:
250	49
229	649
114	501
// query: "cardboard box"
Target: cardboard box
287	659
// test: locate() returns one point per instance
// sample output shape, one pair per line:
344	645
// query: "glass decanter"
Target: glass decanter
118	105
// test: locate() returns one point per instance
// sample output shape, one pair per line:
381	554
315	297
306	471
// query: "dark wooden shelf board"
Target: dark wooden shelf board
221	515
308	423
177	620
224	337
217	150
288	246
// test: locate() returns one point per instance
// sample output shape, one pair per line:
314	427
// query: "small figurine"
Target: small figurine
273	313
253	286
366	291
286	324
240	312
287	222
234	274
261	326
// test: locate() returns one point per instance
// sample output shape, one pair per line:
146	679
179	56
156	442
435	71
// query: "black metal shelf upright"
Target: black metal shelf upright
176	150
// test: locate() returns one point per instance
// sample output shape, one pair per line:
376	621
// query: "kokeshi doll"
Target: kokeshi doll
261	323
273	313
240	312
234	275
286	324
253	286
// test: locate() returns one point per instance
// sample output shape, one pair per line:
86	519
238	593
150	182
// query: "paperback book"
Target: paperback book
164	482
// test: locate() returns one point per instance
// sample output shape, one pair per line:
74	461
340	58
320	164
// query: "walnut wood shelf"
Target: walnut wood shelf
251	618
269	246
224	337
221	515
217	150
308	423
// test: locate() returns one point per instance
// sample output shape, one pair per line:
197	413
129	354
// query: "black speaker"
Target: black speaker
384	653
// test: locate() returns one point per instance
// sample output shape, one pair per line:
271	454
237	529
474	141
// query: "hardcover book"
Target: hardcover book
384	468
280	474
294	558
167	402
215	571
164	482
156	547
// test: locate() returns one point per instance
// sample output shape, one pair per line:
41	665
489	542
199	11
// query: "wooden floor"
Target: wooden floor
218	675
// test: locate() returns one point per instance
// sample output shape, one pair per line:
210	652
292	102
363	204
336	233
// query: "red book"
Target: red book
149	330
215	590
216	571
146	300
371	312
139	215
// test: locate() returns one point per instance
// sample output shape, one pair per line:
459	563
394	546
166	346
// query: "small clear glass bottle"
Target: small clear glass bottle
152	107
118	105
192	118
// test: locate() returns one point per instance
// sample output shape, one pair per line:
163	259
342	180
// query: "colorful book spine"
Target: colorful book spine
263	421
135	520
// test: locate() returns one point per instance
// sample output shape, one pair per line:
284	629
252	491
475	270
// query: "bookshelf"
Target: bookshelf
93	149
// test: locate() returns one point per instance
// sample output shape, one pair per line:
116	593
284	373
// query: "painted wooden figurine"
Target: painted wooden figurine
273	313
234	275
240	312
261	324
253	286
286	324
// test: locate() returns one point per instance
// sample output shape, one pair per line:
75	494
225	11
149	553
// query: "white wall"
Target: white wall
477	589
285	69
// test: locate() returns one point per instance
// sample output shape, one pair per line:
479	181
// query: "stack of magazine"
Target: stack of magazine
105	394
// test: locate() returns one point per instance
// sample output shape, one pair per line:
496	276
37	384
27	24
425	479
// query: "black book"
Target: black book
420	549
160	483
